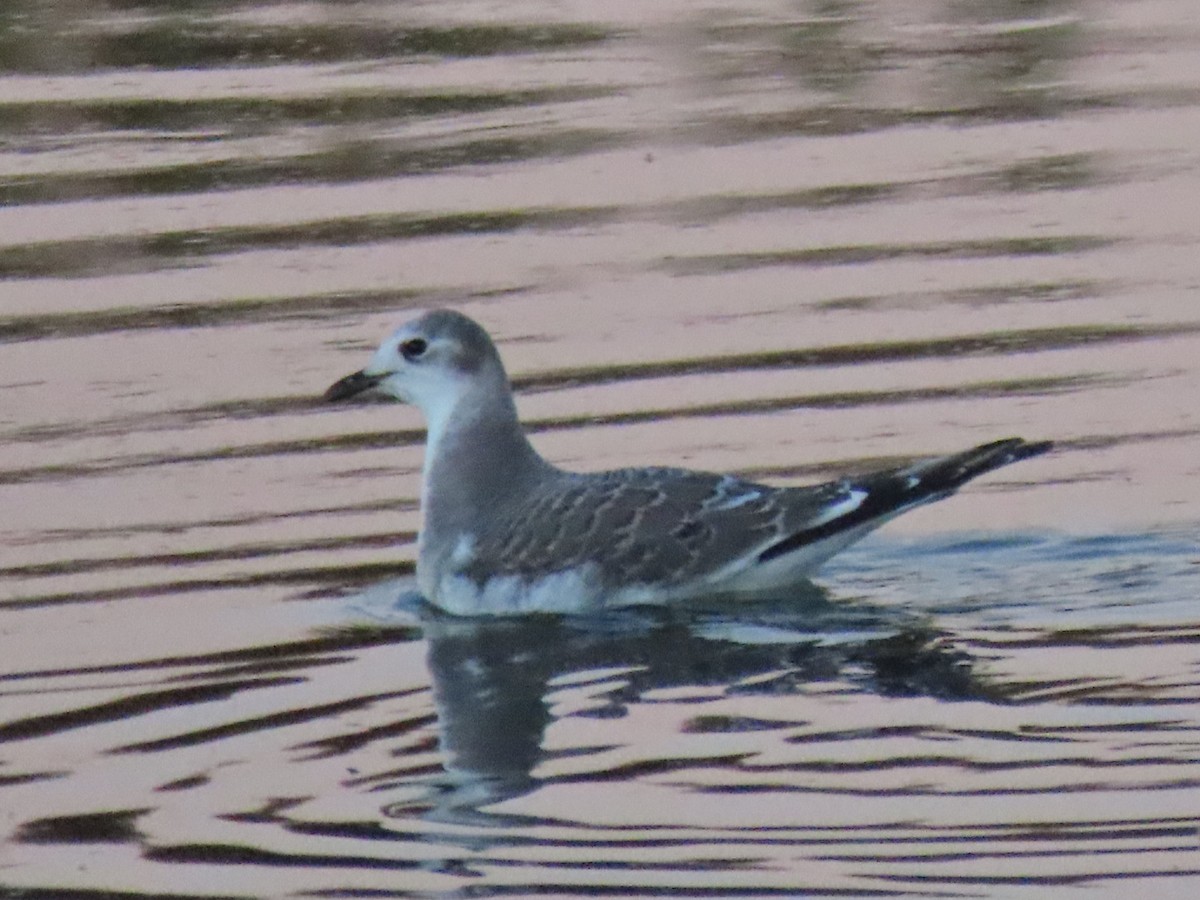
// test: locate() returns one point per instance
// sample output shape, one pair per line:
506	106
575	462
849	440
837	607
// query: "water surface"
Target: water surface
787	239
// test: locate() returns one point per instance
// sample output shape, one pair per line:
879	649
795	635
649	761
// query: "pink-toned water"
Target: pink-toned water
788	239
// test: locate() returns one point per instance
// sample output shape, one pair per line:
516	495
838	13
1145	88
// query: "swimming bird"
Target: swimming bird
506	532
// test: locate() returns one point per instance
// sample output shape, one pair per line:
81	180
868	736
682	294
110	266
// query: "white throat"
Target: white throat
451	403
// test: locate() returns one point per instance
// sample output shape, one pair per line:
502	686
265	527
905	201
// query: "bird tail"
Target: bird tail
948	473
888	493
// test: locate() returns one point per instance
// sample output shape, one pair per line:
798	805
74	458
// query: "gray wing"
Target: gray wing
669	526
650	526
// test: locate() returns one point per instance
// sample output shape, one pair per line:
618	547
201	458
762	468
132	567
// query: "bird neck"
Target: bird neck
476	458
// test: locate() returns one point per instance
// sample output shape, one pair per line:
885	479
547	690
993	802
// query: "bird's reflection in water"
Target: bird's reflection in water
492	678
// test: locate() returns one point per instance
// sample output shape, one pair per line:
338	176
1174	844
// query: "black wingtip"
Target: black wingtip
952	472
895	490
351	386
1009	450
1035	448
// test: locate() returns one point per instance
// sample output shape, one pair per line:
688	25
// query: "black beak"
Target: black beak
351	385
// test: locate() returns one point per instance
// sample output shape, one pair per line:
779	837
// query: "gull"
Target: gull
505	532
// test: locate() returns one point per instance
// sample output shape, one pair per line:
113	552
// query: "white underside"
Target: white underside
570	591
579	590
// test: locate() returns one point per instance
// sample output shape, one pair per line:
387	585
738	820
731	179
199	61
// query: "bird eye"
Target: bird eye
413	348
